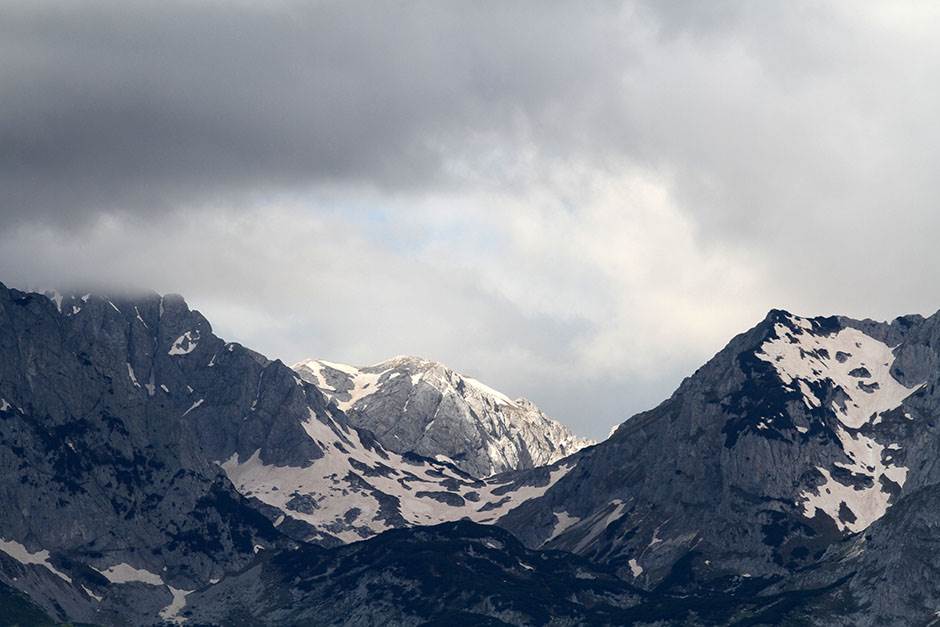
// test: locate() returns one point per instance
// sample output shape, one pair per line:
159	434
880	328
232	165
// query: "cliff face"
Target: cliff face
104	429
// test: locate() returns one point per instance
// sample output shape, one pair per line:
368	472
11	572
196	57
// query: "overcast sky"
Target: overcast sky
577	203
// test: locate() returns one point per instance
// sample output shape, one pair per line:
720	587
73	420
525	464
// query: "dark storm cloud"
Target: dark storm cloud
125	105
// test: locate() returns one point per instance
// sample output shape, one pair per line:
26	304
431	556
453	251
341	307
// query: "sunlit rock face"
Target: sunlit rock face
413	405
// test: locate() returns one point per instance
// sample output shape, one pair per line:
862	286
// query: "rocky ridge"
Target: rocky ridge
800	433
414	405
143	458
152	469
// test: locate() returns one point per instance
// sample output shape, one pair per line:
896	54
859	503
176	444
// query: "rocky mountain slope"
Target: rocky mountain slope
143	458
153	472
885	576
414	576
467	574
801	432
413	405
110	503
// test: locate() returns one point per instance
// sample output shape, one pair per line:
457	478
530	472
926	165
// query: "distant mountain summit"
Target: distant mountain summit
414	405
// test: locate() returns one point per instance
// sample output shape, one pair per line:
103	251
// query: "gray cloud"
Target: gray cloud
115	105
576	203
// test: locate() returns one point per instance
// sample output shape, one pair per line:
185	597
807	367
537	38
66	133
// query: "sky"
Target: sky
579	203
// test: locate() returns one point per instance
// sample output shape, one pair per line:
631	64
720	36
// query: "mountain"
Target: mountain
153	472
413	405
143	458
103	479
800	433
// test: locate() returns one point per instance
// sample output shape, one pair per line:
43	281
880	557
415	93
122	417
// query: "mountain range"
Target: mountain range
155	473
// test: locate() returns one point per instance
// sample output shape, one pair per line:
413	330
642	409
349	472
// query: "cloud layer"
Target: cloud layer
576	204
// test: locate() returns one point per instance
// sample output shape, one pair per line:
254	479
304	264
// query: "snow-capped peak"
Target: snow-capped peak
417	405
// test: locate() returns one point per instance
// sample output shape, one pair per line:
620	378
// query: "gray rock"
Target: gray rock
760	461
143	457
413	405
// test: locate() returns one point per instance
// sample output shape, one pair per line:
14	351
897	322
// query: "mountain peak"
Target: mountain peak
411	360
420	406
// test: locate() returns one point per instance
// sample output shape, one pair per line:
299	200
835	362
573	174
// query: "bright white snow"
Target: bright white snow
511	425
56	298
860	366
635	568
131	375
801	362
194	406
325	482
92	594
185	344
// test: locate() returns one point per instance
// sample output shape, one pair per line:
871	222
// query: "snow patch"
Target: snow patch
131	375
92	594
498	397
350	370
812	358
194	406
40	558
125	573
185	344
635	568
562	522
137	312
56	298
327	492
860	366
171	612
